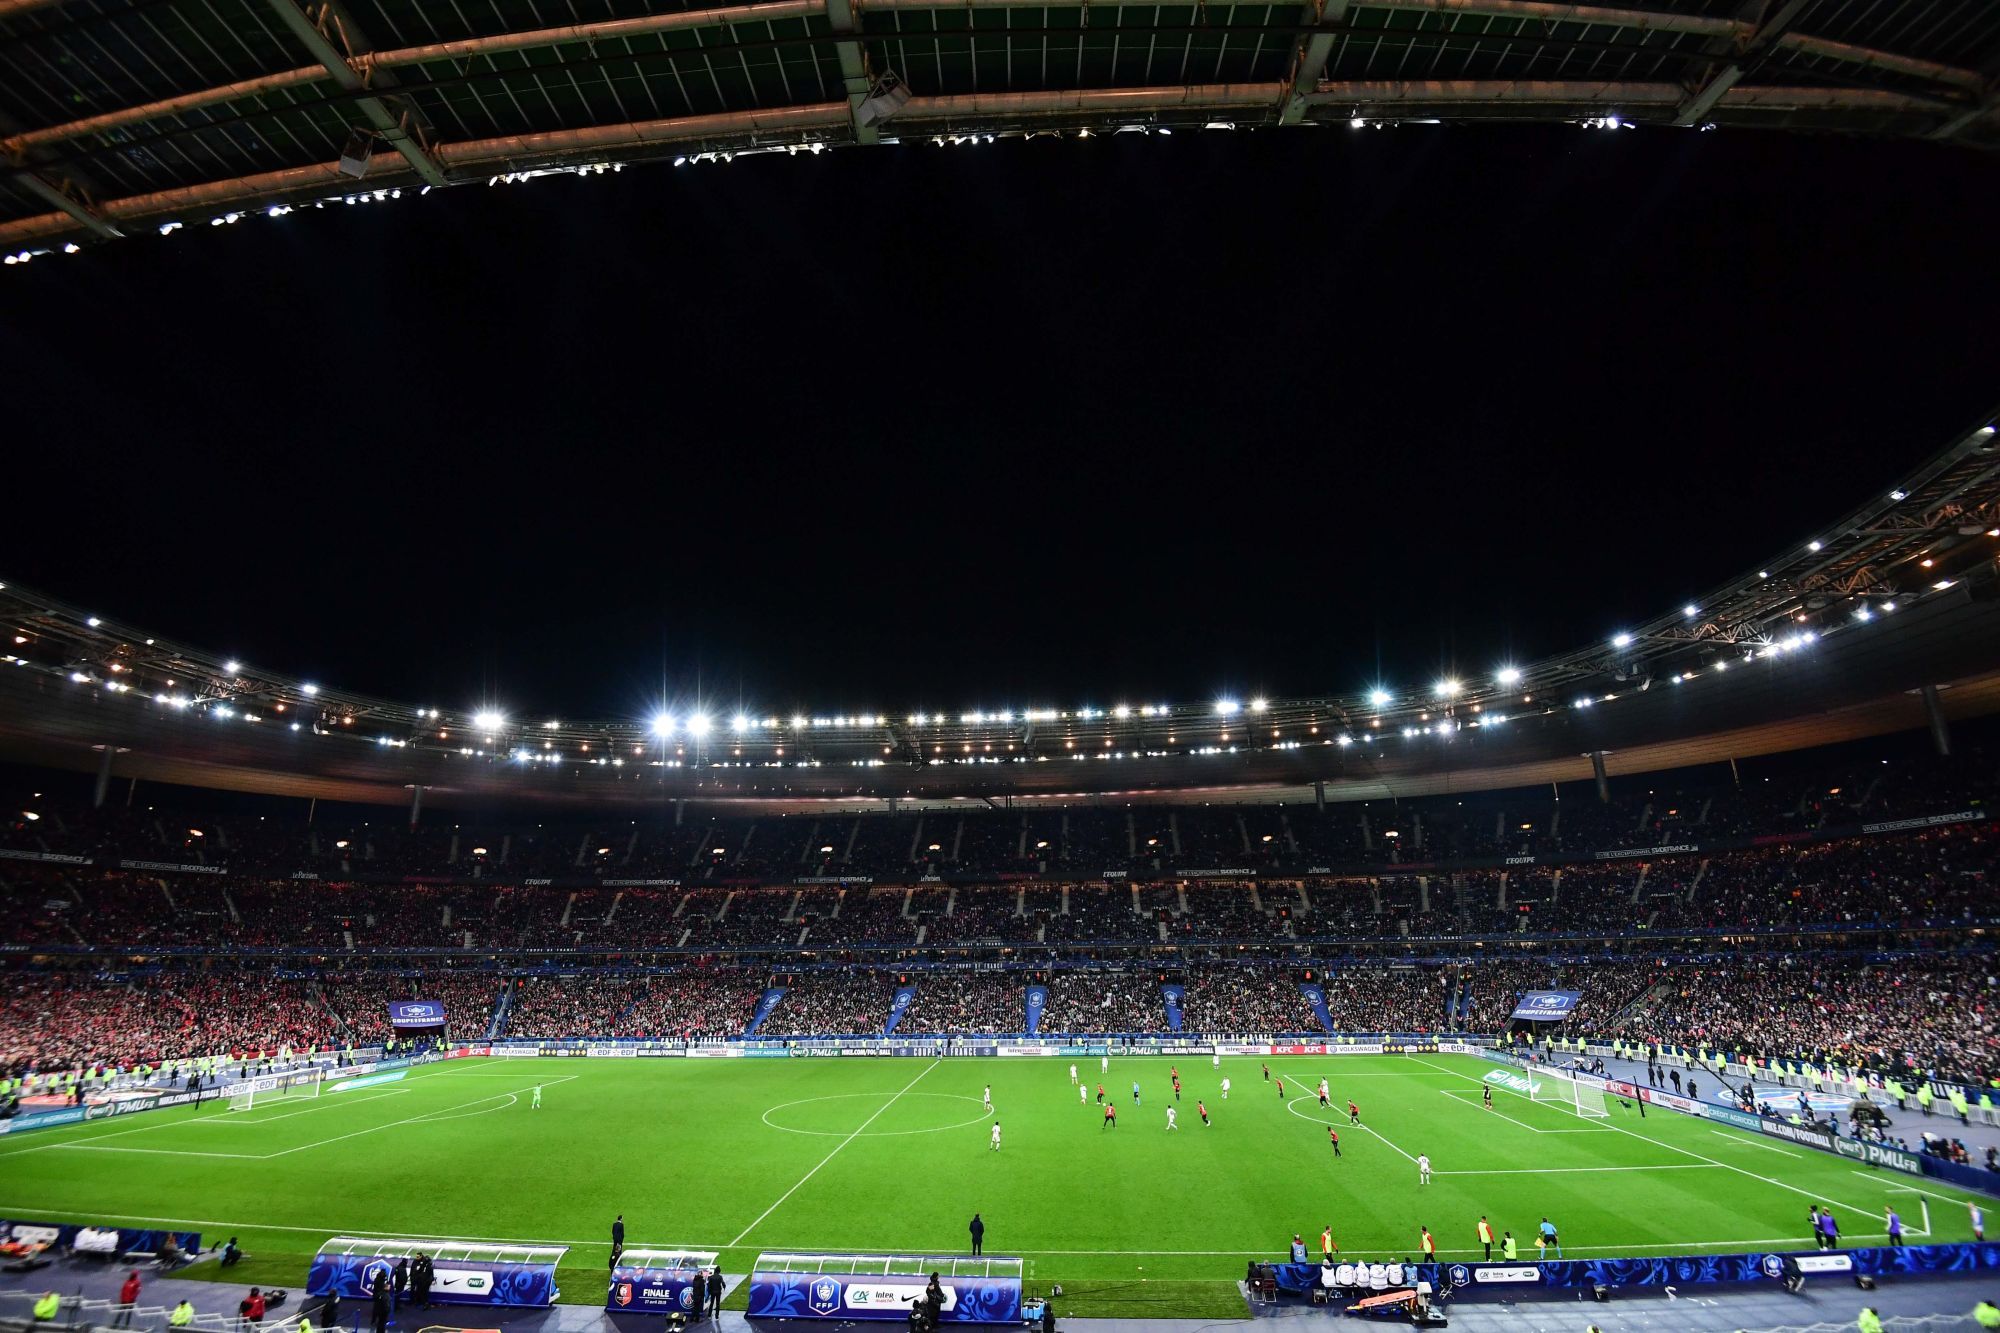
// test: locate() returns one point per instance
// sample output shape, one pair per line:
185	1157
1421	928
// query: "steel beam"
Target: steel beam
1727	75
987	111
853	68
398	130
1309	56
75	209
370	68
370	63
1950	129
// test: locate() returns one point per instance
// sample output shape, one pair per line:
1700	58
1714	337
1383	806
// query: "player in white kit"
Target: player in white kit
1172	1118
1225	1090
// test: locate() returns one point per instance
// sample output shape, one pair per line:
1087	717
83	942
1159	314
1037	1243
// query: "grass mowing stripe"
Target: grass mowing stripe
836	1151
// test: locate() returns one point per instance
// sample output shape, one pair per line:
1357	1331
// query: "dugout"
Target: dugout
465	1272
656	1281
977	1289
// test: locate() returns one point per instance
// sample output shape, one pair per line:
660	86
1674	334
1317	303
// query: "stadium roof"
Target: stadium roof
126	116
1830	638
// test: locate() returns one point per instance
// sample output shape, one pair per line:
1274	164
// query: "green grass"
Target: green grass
886	1154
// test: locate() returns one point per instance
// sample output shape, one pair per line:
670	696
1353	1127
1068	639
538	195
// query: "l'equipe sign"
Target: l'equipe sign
1546	1006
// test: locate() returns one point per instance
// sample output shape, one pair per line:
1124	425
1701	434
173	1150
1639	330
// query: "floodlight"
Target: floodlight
1379	697
232	666
663	724
488	720
1227	707
1508	675
698	725
1620	640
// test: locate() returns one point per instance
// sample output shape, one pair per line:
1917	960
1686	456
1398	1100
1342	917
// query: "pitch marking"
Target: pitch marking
835	1153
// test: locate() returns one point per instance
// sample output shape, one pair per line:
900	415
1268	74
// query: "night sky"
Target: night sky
1042	424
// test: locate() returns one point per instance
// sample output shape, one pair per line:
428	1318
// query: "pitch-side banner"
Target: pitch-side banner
1546	1006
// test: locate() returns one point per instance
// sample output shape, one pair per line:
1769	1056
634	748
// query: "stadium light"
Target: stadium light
1813	545
1621	640
1508	675
663	724
1121	711
698	725
739	723
1227	707
310	691
232	666
1690	610
1379	697
1447	689
488	720
1259	705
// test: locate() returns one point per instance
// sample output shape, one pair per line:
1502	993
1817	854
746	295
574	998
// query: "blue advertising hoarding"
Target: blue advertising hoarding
416	1013
978	1290
1513	1280
1546	1006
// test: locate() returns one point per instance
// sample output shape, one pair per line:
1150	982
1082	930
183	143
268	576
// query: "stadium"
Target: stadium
1331	664
1664	913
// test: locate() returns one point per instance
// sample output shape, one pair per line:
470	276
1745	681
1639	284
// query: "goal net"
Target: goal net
1564	1089
251	1091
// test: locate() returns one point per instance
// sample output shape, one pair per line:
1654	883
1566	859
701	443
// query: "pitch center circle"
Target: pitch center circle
978	1117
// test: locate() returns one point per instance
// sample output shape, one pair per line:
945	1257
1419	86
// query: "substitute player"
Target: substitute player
1202	1107
1423	1169
996	1136
1173	1118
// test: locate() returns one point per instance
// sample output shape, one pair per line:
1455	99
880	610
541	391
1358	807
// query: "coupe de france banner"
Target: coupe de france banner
416	1013
1546	1006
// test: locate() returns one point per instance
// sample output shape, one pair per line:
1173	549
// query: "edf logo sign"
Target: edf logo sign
824	1298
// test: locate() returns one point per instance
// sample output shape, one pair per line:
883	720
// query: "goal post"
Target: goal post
1562	1088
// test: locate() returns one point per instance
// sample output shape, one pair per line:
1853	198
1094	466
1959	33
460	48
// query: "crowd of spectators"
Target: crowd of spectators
1925	1012
1253	999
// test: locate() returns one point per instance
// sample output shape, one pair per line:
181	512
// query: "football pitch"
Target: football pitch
894	1155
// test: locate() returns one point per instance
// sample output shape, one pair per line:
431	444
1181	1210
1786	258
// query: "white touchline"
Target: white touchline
1686	1152
1747	1143
603	1244
835	1153
1575	1170
159	1152
408	1120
